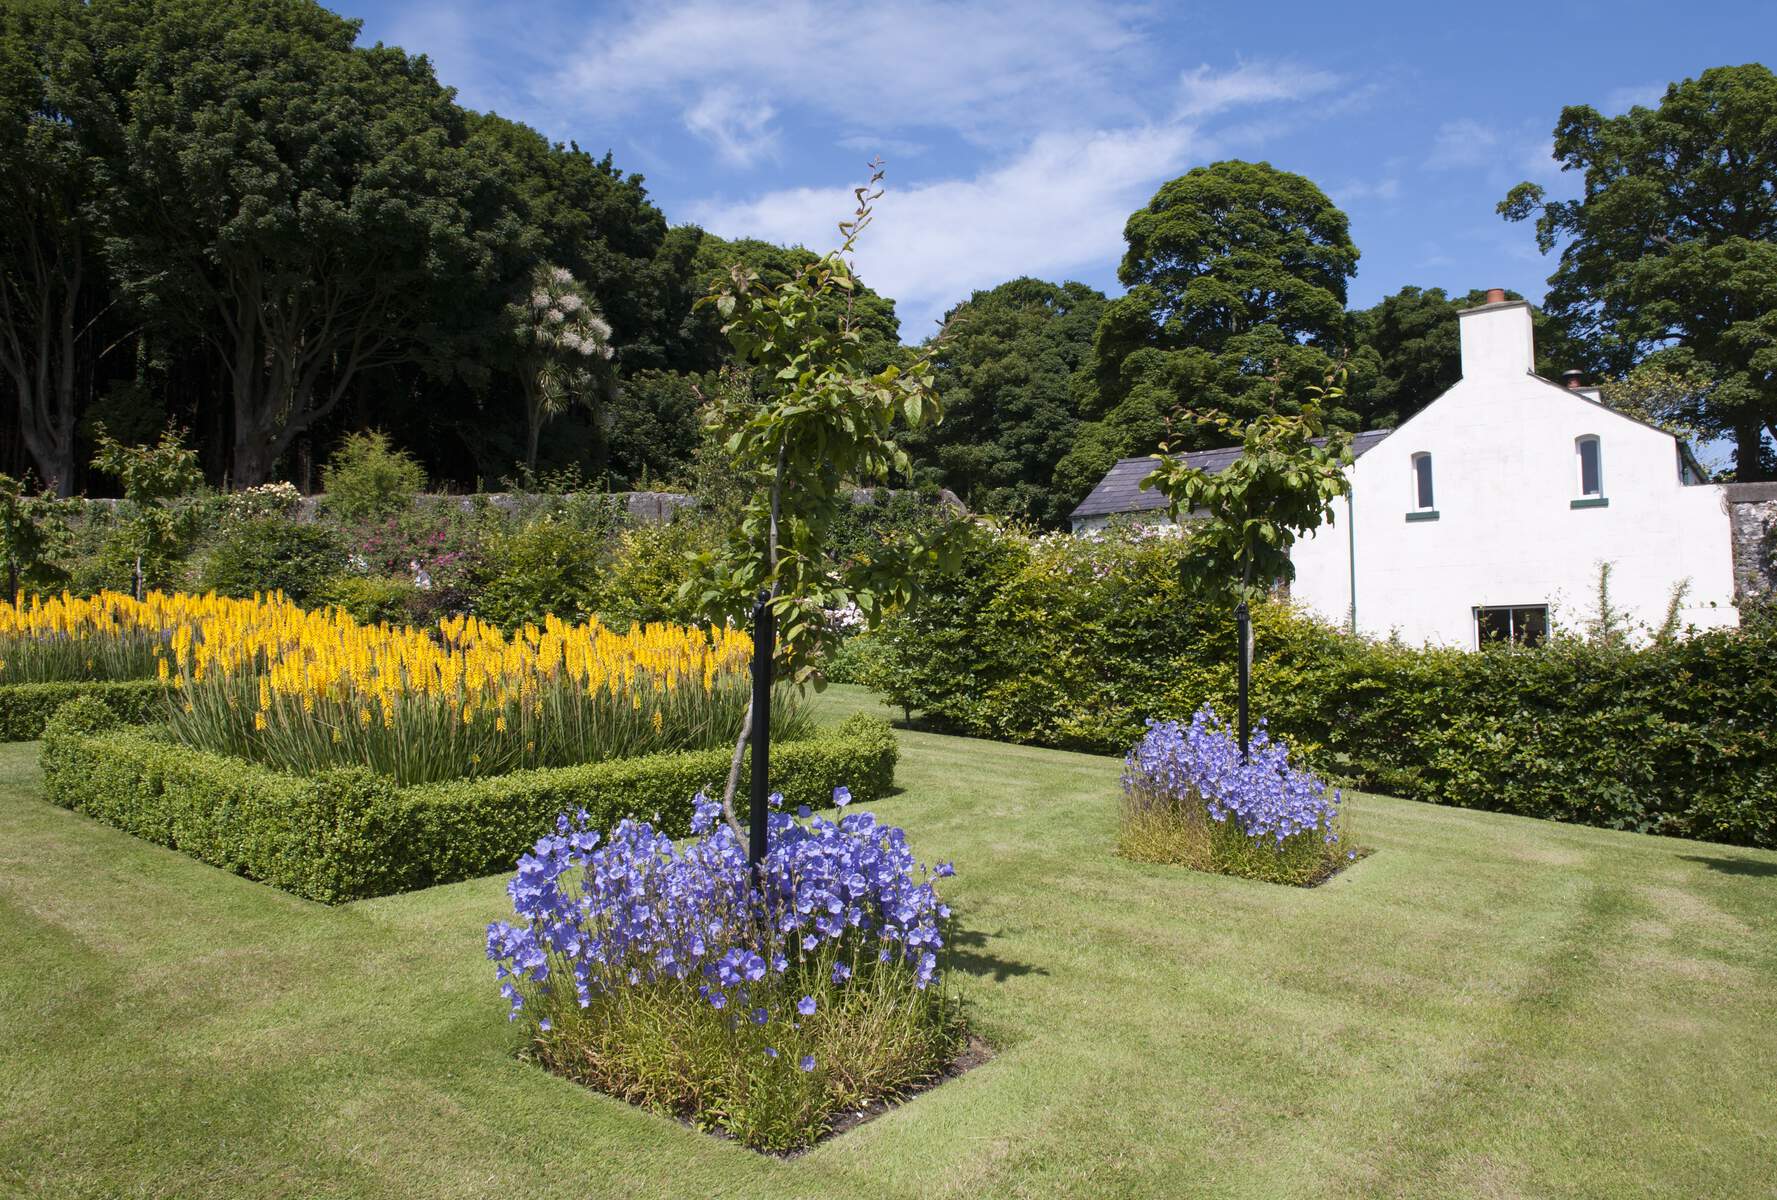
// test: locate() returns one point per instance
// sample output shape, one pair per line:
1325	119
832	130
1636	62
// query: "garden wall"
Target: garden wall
349	834
1065	642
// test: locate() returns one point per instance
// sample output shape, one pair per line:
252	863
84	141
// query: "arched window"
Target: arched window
1590	465
1422	490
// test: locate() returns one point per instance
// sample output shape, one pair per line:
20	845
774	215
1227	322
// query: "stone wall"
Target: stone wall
1752	510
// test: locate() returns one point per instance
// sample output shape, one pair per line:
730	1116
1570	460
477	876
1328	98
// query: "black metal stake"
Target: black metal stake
764	648
1243	622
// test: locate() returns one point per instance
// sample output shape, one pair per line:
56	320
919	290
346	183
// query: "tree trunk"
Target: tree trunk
1749	440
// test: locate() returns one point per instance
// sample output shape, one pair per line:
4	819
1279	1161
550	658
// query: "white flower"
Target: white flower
561	275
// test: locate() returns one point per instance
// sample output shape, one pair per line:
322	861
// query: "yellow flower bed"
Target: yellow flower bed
304	690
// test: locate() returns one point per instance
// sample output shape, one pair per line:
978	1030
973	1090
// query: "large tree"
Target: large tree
1671	249
1237	279
305	205
49	270
1010	373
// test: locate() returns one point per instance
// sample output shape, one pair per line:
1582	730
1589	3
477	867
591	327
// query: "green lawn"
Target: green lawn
1487	1006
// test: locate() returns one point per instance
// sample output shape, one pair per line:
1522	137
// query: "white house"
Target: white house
1490	511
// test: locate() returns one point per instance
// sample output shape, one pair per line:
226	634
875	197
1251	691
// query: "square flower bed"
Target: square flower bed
1190	798
761	1003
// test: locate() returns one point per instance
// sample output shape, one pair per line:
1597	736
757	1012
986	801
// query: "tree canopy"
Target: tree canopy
1671	249
1011	373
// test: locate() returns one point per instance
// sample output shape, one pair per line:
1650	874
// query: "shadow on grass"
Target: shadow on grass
1734	866
966	956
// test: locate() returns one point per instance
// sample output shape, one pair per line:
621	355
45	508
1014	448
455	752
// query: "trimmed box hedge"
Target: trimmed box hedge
348	834
25	708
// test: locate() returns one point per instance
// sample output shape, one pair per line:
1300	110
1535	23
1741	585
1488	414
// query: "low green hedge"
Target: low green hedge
26	707
349	834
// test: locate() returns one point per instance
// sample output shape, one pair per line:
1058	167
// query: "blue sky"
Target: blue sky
1019	136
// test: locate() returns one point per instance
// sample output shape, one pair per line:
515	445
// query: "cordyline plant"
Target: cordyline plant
807	424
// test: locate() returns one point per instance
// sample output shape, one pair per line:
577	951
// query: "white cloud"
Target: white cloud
1464	143
980	67
1055	207
1359	190
737	125
1205	91
1620	100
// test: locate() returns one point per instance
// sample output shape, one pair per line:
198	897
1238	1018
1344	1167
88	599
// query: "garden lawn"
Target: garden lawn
1488	1006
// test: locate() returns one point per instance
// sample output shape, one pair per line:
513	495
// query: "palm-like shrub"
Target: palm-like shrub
563	345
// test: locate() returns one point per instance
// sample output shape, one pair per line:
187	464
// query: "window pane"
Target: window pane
1422	480
1530	625
1493	624
1589	482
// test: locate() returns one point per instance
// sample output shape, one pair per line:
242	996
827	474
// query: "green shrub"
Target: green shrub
25	708
368	478
1072	642
647	565
371	599
269	554
547	566
348	834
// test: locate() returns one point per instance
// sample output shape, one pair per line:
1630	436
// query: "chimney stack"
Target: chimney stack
1497	339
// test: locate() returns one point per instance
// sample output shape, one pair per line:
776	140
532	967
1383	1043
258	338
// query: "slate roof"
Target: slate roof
1120	490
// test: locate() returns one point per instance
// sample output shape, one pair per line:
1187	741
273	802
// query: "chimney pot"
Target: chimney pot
1575	380
1496	295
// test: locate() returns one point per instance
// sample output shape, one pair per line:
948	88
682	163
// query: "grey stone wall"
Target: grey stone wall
1752	509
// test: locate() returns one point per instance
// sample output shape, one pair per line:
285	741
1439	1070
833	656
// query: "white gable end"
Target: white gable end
1516	520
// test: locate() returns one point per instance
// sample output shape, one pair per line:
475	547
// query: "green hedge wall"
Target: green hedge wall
1070	642
349	834
25	708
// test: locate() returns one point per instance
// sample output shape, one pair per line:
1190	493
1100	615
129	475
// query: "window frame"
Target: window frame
1511	612
1429	481
1579	466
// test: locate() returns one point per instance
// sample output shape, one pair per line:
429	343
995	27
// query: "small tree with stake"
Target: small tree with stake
806	424
1246	517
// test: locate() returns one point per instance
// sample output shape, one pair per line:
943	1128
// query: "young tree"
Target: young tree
151	477
1673	243
1241	522
563	348
805	425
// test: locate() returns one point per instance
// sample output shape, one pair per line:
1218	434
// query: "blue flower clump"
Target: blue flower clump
1265	796
836	904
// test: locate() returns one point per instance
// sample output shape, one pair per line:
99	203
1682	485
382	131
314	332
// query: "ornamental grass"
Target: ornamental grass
760	1006
1190	800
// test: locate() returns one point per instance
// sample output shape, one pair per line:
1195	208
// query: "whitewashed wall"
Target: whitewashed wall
1502	443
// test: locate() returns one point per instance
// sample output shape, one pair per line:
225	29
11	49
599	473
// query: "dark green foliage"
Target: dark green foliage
25	708
1011	373
1064	642
1672	248
350	834
267	554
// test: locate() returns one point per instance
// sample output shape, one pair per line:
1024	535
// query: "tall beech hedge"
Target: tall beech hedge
1071	642
349	834
25	708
